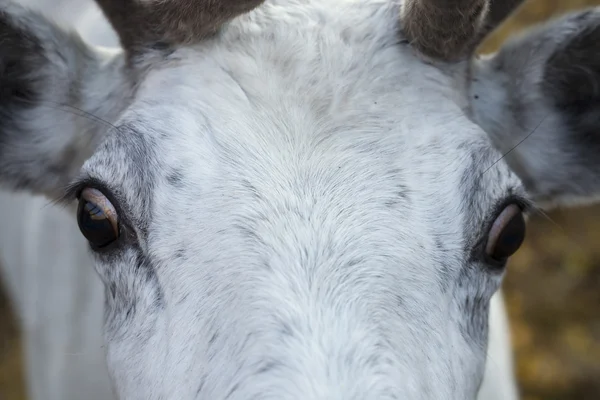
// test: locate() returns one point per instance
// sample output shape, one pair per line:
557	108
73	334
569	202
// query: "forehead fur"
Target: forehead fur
332	90
333	112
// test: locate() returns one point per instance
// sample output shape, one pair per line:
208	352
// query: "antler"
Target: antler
451	29
144	23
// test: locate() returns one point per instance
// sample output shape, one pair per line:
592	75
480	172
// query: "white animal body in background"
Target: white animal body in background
295	199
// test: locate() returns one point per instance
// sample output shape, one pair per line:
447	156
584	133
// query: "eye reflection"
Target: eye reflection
97	218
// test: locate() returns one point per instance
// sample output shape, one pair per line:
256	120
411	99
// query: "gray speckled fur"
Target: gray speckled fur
303	201
57	93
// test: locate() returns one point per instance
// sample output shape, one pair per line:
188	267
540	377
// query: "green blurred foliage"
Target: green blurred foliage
552	286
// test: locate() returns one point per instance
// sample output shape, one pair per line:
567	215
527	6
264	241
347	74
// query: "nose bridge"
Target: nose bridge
315	338
326	353
340	333
320	287
350	338
313	317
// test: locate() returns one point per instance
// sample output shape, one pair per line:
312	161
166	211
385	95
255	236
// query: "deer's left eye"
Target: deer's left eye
507	233
97	218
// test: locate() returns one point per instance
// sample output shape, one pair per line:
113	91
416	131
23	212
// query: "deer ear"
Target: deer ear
57	97
539	100
145	23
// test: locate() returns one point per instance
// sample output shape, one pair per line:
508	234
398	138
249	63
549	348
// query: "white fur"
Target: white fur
305	120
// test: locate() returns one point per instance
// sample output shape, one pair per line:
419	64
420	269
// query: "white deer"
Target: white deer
290	199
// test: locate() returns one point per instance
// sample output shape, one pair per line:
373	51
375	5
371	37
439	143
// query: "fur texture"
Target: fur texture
452	30
444	29
303	202
58	96
545	87
144	24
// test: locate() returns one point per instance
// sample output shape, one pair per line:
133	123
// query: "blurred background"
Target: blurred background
552	286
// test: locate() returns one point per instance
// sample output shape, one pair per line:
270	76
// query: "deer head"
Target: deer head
302	199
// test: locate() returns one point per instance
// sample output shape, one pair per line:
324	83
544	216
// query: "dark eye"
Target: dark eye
507	233
97	218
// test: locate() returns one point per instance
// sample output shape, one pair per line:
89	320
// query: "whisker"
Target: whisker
561	229
80	112
62	201
517	145
71	110
544	214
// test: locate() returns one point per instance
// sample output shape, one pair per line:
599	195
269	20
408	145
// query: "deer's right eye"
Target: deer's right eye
97	218
507	234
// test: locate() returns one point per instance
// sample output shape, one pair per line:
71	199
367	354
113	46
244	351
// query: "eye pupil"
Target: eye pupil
508	234
96	220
